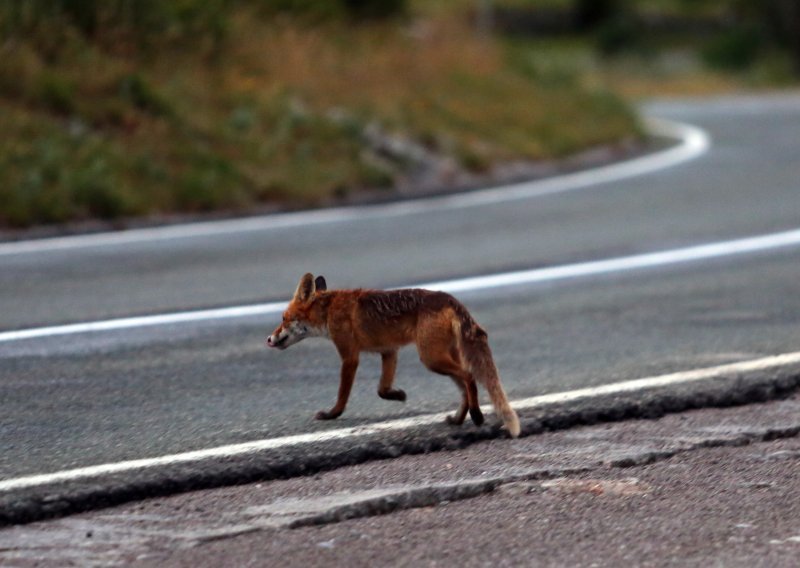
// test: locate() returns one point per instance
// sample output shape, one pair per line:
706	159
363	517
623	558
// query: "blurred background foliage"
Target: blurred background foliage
112	109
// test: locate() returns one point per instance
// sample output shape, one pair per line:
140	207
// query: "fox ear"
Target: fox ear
305	289
321	284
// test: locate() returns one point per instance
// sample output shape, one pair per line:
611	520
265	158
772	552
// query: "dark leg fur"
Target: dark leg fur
348	375
388	367
466	383
457	419
474	408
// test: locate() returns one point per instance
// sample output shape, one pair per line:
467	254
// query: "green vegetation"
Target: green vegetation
120	108
113	109
656	47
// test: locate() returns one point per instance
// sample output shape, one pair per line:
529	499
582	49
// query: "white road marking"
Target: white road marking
143	321
733	372
693	142
709	251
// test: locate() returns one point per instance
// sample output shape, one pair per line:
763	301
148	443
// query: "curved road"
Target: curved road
70	401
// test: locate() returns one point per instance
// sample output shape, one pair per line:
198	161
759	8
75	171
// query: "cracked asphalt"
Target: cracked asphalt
698	488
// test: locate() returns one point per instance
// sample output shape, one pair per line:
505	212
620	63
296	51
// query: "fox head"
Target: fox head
300	320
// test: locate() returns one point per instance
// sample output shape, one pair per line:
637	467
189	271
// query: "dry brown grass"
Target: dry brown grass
371	67
276	115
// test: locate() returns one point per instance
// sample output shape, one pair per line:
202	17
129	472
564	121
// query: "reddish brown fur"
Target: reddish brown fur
448	340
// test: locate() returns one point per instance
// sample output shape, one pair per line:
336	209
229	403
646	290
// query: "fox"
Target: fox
448	340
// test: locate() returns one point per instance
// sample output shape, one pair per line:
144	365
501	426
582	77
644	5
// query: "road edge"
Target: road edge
691	142
66	498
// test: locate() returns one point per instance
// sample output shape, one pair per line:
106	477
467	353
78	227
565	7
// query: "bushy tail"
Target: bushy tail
475	345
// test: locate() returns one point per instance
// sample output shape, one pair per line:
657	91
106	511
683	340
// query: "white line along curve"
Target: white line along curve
732	371
749	245
692	143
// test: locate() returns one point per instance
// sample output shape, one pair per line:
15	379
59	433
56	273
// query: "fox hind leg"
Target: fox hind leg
469	402
457	419
388	368
469	391
474	407
438	353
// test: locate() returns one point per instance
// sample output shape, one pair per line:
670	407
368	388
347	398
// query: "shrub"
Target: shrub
591	13
733	50
138	92
375	9
618	35
324	9
144	19
96	191
56	93
210	183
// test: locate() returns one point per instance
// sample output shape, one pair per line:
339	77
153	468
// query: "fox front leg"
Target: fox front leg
388	368
348	375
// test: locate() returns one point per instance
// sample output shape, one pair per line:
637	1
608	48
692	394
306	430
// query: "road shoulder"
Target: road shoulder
698	486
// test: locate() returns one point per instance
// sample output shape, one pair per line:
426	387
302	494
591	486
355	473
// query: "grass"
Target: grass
659	48
662	68
273	113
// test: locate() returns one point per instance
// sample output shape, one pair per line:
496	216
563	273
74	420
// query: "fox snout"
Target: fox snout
278	339
287	334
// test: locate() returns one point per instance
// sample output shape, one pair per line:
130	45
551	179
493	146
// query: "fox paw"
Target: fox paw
476	415
453	420
393	394
324	415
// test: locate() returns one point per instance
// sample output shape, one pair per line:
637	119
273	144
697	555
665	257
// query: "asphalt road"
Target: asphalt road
78	400
711	487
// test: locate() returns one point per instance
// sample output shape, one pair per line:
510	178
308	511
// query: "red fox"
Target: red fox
448	340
